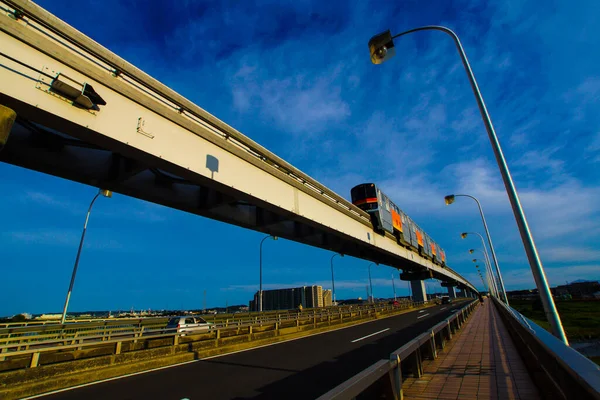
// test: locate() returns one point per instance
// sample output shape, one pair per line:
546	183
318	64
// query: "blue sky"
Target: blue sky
296	77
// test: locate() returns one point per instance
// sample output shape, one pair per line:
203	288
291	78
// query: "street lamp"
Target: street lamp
260	291
487	277
482	281
449	200
488	269
490	272
332	280
381	48
105	193
371	283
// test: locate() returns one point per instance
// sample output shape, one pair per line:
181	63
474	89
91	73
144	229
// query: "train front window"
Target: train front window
357	193
364	196
370	191
362	192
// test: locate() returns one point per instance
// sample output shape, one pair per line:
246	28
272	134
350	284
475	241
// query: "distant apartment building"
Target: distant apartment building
327	301
289	298
315	297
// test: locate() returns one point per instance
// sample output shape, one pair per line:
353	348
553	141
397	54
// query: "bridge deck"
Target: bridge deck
481	362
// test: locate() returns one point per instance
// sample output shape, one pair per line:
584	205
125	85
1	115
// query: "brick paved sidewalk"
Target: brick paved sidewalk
480	362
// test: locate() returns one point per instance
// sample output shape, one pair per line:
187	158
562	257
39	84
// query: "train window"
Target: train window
387	204
358	193
370	191
364	191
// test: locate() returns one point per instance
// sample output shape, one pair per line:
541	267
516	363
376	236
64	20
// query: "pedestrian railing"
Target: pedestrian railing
559	371
385	377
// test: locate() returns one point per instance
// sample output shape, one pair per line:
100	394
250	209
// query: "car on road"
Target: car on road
446	300
188	324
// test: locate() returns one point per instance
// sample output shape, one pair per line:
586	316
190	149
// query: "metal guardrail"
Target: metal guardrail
559	371
22	337
387	375
34	350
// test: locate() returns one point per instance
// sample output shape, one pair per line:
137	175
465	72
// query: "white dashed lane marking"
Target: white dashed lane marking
372	334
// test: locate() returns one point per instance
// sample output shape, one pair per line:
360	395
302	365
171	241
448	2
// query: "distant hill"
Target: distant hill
582	280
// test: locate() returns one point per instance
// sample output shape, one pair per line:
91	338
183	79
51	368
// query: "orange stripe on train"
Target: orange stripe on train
367	200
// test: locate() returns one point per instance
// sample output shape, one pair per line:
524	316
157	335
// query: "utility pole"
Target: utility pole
204	301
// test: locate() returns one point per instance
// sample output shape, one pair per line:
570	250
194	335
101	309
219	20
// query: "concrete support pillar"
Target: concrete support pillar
419	293
452	292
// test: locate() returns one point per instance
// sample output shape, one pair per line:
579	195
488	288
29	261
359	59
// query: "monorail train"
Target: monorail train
387	217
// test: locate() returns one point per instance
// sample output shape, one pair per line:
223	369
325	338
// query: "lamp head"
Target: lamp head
449	199
471	251
381	47
463	235
105	193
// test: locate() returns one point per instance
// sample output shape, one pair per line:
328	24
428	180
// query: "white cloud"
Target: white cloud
47	200
561	211
523	277
592	150
61	238
540	160
568	254
44	237
553	211
145	212
138	210
304	103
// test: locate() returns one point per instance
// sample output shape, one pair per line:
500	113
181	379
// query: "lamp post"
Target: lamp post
493	289
260	291
105	193
499	293
332	279
479	272
449	200
394	287
371	283
482	281
488	268
381	48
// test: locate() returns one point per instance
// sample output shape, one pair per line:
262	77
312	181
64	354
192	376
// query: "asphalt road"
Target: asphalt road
299	369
